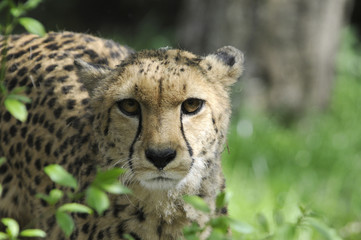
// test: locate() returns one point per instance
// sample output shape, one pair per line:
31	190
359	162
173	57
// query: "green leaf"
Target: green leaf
197	202
262	220
12	226
191	232
21	98
60	176
3	236
108	176
65	222
220	223
75	207
327	232
18	90
33	233
97	199
222	200
217	234
16	108
31	4
128	236
240	227
2	160
17	11
32	26
53	198
116	188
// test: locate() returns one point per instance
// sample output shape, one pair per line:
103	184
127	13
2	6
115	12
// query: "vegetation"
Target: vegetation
295	182
278	174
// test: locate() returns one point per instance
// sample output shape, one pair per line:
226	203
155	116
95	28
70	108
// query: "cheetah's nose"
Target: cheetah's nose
160	158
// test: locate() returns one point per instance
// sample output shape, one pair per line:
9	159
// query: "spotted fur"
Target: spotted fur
76	83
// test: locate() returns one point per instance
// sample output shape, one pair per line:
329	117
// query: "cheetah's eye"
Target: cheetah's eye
129	107
192	105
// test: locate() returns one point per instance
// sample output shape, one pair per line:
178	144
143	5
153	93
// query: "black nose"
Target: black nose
160	158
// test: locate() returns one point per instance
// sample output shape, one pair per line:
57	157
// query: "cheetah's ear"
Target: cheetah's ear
91	74
226	64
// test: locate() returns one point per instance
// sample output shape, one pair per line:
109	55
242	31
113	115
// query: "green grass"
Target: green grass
272	170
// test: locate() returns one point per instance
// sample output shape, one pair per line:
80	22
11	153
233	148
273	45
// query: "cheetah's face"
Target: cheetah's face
163	115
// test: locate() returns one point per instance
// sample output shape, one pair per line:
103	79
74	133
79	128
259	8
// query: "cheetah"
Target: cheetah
160	114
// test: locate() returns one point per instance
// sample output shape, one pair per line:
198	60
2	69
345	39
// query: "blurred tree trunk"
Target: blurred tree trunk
290	47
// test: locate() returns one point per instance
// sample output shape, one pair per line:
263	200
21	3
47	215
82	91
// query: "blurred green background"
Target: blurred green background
279	170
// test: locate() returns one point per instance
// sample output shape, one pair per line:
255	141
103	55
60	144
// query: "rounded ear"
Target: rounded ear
226	64
91	74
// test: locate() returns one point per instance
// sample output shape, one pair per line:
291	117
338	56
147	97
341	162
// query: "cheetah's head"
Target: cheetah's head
163	114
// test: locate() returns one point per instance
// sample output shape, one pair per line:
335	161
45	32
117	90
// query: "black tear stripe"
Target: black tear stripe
190	150
131	149
106	130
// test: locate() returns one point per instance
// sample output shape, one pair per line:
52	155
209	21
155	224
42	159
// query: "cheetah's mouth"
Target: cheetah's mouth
160	178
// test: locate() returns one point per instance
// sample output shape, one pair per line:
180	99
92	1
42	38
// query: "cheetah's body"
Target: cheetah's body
74	120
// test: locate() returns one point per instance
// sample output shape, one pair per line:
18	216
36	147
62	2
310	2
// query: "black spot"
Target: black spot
7	117
119	208
48	39
91	53
135	236
52	55
121	229
37	180
68	68
139	213
51	67
30	140
38	143
66	89
35	118
22	71
42	118
85	101
57	112
68	35
59	133
62	79
33	55
114	55
12	83
7	179
27	157
103	61
12	151
159	230
39	58
13	130
38	164
70	104
15	55
35	68
226	58
51	128
23	132
100	235
48	148
19	147
52	46
67	41
49	81
13	68
3	169
51	102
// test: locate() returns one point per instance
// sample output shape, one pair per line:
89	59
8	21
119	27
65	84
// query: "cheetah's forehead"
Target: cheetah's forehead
165	77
